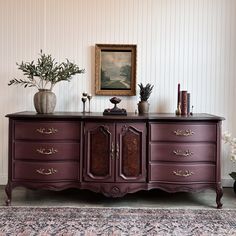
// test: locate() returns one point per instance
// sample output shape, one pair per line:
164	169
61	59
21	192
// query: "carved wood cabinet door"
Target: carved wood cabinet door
130	152
99	152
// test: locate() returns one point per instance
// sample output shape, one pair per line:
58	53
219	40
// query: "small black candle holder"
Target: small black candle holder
84	99
115	110
89	96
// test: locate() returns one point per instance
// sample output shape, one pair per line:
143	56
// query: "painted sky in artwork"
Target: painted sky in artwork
113	61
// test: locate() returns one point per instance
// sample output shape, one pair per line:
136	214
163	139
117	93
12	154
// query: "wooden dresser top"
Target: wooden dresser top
130	116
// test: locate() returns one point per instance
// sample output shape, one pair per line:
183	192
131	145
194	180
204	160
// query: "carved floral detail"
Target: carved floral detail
115	190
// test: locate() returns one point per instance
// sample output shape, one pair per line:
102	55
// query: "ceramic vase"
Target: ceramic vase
143	107
44	101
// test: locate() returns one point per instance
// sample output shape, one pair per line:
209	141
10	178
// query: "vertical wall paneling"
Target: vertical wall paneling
192	42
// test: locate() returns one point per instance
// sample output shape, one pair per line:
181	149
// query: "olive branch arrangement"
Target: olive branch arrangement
46	72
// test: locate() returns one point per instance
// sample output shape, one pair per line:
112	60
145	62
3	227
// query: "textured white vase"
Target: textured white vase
45	101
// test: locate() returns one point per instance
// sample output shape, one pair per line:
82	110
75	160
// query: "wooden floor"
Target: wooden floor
149	199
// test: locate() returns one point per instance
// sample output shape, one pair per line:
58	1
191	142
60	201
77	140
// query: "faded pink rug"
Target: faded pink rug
67	221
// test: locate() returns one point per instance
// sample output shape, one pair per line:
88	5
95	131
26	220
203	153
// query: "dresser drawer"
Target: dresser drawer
182	152
47	130
46	151
182	173
182	132
49	171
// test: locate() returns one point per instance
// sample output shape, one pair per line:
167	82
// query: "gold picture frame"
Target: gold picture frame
115	69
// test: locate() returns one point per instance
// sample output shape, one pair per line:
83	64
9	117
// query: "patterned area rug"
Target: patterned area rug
66	221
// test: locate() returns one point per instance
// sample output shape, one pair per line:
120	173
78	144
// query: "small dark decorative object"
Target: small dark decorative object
115	110
178	110
184	103
188	103
89	96
191	113
86	96
84	99
144	93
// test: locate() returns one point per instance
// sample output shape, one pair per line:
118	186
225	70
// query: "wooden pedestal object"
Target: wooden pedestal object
114	155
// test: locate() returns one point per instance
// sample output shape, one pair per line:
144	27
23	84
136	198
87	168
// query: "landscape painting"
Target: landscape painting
115	69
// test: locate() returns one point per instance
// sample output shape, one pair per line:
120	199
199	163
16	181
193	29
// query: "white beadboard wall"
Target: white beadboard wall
192	42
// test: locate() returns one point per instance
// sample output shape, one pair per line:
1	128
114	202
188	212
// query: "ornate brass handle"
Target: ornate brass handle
117	150
183	153
48	151
186	132
50	171
183	173
112	150
47	131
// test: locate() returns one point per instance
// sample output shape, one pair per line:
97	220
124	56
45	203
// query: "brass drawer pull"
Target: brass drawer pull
186	153
117	150
48	151
50	171
183	173
181	132
47	131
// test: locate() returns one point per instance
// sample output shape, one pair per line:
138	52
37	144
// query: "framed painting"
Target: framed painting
115	69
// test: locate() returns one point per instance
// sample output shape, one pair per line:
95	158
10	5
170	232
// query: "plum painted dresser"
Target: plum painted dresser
114	155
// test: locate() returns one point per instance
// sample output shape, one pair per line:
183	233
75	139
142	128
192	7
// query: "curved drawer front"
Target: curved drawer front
182	173
46	151
47	130
183	152
183	132
49	171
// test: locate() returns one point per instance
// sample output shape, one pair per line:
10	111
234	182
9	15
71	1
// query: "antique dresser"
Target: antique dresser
114	155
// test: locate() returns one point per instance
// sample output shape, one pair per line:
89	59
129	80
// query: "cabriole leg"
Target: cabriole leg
8	190
219	194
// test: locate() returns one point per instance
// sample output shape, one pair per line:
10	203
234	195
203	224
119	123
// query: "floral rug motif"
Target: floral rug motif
68	221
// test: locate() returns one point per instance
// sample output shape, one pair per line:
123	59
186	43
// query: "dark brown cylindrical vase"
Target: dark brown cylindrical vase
184	103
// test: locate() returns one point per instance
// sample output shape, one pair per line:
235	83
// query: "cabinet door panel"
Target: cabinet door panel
99	151
131	152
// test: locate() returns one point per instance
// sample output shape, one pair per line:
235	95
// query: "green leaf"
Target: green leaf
233	175
46	69
145	91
